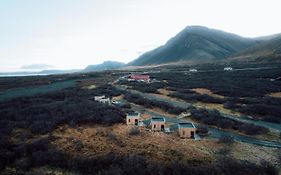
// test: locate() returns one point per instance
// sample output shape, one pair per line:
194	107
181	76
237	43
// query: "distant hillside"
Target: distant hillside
267	51
107	65
196	43
43	72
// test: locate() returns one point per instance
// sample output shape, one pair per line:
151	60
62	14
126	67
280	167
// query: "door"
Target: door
192	134
162	127
136	122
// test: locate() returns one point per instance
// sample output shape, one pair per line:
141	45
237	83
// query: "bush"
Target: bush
137	99
43	113
226	139
213	117
134	131
202	131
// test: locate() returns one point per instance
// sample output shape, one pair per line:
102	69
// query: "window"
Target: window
154	126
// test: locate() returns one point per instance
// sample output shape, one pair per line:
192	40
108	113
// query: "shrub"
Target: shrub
134	131
112	136
226	139
202	131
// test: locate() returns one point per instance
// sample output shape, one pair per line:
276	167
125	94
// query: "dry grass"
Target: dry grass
120	97
204	91
100	140
216	106
164	91
90	87
155	145
275	94
243	151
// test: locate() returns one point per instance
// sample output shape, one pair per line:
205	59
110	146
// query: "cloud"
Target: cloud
37	66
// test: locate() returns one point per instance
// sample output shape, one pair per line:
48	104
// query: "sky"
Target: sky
71	34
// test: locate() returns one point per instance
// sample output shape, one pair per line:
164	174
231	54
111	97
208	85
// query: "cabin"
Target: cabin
192	70
102	99
97	98
139	78
158	123
186	130
133	118
227	68
105	100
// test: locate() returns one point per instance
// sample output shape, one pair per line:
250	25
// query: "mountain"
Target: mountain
196	43
37	67
269	50
106	65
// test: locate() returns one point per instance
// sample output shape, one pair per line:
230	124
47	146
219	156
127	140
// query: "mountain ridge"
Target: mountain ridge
199	43
106	65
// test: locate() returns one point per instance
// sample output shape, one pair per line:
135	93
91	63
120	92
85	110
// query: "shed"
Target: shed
186	130
133	118
158	123
227	68
143	78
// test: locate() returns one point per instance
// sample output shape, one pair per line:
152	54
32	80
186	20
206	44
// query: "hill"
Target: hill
106	65
267	51
196	43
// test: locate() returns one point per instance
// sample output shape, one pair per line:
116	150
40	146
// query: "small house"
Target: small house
186	130
97	98
105	100
227	68
133	118
192	70
139	78
158	123
102	99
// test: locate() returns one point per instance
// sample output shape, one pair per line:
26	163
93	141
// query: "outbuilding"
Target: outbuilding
133	118
141	78
158	123
227	68
186	130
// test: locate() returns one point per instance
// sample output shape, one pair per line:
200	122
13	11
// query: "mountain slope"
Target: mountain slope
195	43
106	65
267	51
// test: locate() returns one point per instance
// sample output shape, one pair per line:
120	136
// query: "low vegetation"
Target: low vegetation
42	113
143	87
38	154
134	131
137	99
264	108
32	128
214	118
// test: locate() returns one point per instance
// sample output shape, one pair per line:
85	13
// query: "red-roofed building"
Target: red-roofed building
144	78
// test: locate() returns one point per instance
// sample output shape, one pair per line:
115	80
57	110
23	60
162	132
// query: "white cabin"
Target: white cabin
227	68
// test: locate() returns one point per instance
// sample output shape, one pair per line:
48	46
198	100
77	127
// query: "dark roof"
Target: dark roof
186	125
158	119
133	114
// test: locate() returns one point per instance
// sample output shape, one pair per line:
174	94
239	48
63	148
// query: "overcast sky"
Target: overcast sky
70	34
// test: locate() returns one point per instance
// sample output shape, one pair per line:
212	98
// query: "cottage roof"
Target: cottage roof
140	77
186	125
133	114
158	119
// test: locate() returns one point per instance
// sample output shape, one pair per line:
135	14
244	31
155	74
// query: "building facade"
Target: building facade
133	118
158	123
186	130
